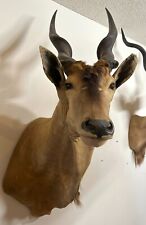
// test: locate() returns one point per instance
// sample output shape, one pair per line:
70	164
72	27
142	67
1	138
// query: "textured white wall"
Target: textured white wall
113	190
129	14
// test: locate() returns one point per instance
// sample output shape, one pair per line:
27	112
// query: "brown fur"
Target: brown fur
137	137
47	165
52	155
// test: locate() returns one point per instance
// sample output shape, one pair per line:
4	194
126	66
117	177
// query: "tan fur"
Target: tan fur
137	137
52	155
48	165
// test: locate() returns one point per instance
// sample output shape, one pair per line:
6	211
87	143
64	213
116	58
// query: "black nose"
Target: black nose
98	127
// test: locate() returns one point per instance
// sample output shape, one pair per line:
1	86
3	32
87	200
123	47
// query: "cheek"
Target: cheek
74	109
74	112
109	95
112	95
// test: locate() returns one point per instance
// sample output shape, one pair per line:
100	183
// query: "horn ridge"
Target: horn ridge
112	26
63	47
104	50
133	45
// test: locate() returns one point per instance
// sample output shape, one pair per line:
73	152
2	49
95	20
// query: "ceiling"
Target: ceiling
129	14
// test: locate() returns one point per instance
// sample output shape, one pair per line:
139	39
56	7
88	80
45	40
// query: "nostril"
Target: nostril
110	127
84	124
87	125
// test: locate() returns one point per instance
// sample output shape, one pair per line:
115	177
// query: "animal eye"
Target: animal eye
112	86
68	86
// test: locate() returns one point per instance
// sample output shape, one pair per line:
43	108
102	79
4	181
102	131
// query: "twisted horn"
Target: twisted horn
104	50
133	45
63	47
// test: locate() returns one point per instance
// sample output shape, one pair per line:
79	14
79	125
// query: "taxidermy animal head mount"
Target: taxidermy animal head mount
87	90
52	154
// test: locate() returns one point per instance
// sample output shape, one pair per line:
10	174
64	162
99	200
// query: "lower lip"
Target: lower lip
98	138
95	142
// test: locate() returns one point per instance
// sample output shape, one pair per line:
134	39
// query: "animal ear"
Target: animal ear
52	67
125	70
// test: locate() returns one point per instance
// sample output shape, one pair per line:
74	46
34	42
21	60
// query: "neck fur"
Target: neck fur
69	139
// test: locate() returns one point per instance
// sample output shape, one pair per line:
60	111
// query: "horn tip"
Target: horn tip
122	31
52	29
123	35
55	12
54	15
107	11
111	22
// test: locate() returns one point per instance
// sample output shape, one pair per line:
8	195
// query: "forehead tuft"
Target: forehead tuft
101	67
90	75
97	72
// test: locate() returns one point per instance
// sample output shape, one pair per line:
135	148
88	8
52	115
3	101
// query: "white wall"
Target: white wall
113	191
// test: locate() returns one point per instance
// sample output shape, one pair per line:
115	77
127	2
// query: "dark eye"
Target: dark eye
68	86
112	86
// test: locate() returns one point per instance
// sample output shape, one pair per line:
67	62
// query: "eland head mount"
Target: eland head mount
52	154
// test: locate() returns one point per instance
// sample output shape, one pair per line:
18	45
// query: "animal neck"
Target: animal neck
59	116
69	143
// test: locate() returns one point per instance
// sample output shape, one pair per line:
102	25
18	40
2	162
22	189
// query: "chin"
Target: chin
94	142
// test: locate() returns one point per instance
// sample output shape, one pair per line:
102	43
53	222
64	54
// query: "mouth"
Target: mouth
95	141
